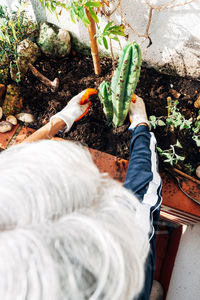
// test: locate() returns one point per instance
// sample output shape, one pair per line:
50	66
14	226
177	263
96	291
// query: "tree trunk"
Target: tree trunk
93	44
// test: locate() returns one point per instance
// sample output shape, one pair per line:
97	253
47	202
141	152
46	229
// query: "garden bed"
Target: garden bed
76	73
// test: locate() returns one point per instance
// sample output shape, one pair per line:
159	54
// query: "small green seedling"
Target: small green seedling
190	169
196	138
156	121
196	127
171	157
175	118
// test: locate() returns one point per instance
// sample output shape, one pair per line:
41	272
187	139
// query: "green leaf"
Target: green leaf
99	40
161	123
93	4
72	15
114	38
105	43
152	118
178	144
180	157
167	155
93	15
2	36
159	150
107	26
197	140
82	15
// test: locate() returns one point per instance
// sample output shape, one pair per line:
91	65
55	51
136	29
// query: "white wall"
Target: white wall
185	280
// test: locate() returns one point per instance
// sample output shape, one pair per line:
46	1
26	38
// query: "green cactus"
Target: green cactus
106	99
123	84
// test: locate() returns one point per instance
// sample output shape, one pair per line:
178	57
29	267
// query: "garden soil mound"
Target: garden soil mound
76	74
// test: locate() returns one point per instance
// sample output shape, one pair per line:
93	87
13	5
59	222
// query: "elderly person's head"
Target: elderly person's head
66	230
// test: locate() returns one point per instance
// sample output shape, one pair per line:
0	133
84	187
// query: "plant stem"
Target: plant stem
186	176
112	54
93	44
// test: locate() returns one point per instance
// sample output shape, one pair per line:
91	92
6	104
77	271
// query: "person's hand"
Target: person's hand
76	108
137	113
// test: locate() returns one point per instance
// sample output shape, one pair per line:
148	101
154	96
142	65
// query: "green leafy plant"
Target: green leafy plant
196	127
175	118
156	121
189	168
76	9
170	154
116	97
13	29
111	32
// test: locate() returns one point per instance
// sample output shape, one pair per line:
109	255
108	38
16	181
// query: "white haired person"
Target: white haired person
68	231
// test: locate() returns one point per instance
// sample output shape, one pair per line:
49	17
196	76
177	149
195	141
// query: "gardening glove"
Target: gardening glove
76	108
137	112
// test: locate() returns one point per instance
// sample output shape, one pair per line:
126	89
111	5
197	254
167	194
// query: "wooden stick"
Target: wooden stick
186	176
93	44
54	85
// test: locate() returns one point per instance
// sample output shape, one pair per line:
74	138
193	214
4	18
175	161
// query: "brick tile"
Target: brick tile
114	166
6	137
24	133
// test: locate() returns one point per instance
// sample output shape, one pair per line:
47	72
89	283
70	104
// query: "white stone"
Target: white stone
54	41
5	126
11	119
1	113
157	291
28	52
24	117
198	171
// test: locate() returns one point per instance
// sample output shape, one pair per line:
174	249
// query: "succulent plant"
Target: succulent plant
116	97
105	97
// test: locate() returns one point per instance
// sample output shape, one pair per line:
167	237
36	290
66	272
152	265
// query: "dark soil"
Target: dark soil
76	74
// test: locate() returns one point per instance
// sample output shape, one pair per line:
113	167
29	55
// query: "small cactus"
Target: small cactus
116	97
106	99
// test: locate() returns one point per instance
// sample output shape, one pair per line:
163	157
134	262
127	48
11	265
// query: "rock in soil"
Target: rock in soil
157	292
54	41
13	101
24	117
5	126
11	119
198	171
28	52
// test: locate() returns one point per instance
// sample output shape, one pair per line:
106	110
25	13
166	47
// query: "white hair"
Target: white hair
66	230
